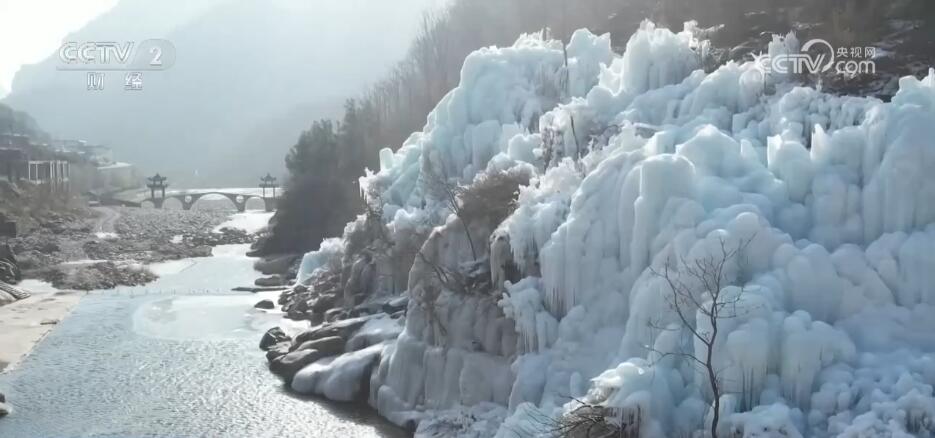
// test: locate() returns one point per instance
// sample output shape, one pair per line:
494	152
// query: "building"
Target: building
117	176
54	173
100	155
15	141
13	164
16	166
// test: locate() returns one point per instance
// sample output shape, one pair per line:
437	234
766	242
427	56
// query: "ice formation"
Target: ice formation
642	163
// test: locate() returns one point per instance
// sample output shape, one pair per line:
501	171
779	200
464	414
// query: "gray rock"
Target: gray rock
396	304
342	329
278	350
271	281
276	264
338	313
256	289
287	366
331	346
265	304
2	398
272	337
323	303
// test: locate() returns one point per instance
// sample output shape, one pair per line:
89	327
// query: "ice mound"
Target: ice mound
642	163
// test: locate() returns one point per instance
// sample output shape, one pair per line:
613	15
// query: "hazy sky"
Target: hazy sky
32	29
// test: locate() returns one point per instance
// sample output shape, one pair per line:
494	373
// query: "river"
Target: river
175	358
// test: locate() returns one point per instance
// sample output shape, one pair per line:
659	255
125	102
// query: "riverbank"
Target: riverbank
177	357
135	242
24	323
110	247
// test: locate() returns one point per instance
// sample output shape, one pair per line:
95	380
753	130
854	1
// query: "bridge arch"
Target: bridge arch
169	203
239	200
187	200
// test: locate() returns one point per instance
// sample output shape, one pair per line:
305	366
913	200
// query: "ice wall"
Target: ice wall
643	162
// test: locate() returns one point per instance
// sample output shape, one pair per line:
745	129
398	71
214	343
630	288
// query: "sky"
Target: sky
32	29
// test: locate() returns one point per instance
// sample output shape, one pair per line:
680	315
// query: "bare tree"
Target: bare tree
449	192
596	421
699	290
588	419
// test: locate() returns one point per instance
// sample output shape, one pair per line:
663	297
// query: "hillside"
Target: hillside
248	78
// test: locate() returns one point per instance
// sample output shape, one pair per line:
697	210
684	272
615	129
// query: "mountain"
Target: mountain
249	76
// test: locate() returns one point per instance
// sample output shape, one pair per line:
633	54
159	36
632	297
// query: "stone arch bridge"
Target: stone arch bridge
188	198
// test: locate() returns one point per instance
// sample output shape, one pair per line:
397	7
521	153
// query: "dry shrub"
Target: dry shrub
596	421
492	196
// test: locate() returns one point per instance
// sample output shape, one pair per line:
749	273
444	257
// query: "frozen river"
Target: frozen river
176	358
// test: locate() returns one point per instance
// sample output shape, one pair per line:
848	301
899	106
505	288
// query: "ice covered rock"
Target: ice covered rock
643	164
341	378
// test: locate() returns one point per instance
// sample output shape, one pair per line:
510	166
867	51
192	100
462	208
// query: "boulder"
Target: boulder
9	293
271	281
288	365
342	329
278	350
396	304
272	337
323	303
276	264
6	298
345	378
265	304
339	313
331	346
9	267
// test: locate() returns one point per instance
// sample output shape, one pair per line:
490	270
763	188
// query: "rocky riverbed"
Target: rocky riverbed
108	247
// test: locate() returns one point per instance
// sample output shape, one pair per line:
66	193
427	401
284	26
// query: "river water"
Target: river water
176	358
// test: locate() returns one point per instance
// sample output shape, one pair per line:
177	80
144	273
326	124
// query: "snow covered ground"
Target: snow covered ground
644	169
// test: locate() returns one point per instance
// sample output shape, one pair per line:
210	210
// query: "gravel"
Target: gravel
112	253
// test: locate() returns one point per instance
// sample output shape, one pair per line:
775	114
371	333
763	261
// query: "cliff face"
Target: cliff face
774	233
